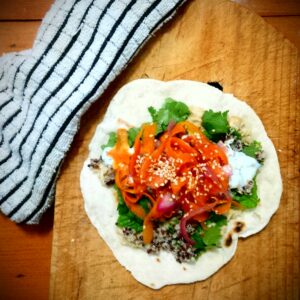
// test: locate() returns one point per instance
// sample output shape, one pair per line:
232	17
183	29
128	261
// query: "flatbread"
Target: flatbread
129	106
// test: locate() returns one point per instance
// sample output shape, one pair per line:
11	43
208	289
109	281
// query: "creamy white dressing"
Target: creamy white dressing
243	168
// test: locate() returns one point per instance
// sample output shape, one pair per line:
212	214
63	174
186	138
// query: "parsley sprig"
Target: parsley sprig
112	139
215	124
172	110
210	237
250	200
127	219
252	149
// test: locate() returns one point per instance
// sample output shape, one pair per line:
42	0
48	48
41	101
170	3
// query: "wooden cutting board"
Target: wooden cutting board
208	40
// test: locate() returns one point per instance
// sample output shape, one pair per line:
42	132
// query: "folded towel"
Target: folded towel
80	48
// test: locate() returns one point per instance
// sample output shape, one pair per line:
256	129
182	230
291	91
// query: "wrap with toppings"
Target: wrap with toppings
234	194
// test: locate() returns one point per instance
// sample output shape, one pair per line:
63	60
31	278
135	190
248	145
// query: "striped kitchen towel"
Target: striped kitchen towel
80	48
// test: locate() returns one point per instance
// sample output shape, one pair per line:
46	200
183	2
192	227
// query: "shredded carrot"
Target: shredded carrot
120	152
181	161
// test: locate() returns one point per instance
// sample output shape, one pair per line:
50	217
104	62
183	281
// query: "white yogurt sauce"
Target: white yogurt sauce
243	168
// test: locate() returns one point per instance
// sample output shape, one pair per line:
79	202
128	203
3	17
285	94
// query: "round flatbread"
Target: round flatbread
129	106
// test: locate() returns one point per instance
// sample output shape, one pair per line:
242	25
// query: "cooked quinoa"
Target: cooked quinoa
167	237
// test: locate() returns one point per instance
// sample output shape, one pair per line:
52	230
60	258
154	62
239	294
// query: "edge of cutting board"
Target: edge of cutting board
208	40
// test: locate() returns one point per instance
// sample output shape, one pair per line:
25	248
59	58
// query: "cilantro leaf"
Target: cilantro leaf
112	139
126	218
131	221
171	111
198	238
219	220
233	132
212	235
132	133
247	200
252	149
153	113
215	124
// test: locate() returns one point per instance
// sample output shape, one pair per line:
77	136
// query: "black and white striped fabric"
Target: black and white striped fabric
80	48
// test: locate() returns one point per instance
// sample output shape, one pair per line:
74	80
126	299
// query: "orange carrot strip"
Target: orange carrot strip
120	153
147	230
223	208
148	138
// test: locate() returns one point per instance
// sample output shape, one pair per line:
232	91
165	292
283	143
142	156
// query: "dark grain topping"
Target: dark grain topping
106	172
166	238
94	163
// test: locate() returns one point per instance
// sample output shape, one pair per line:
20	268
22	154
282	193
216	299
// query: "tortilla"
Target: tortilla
129	106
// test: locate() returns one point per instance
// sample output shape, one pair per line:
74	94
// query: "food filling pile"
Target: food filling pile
176	178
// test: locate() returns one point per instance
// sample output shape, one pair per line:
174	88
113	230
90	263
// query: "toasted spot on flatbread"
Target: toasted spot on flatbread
239	226
228	240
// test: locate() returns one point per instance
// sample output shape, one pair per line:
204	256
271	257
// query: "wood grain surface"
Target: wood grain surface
15	36
209	40
272	7
36	9
289	26
27	10
25	259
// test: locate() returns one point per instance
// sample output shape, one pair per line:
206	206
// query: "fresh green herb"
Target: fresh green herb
132	133
145	203
126	218
198	238
212	235
112	139
220	220
247	200
233	132
130	221
153	113
215	124
252	149
170	224
171	111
